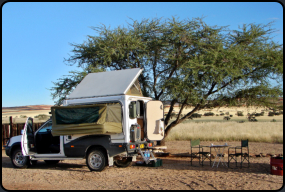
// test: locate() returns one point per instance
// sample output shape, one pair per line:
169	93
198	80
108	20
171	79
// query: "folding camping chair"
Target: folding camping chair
244	155
201	154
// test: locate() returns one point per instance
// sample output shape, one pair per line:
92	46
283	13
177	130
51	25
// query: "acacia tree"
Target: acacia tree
185	61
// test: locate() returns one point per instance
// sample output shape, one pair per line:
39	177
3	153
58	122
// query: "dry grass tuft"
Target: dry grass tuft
271	132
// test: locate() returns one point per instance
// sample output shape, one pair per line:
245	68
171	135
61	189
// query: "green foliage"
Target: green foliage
271	113
66	85
186	61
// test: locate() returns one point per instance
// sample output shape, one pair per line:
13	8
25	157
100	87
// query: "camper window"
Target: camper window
140	110
132	110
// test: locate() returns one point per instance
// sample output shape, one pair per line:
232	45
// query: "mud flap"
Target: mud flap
110	161
134	158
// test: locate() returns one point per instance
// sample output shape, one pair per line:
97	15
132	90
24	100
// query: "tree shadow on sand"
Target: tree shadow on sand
178	164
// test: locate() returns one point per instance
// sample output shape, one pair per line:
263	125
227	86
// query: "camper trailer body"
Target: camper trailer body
141	124
125	101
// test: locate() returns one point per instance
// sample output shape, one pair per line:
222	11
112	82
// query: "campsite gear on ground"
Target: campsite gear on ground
238	151
156	163
219	154
276	165
202	155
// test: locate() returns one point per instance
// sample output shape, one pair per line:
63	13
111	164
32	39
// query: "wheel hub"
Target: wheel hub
19	159
95	160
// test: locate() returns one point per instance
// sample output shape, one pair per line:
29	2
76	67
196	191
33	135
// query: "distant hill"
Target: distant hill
26	108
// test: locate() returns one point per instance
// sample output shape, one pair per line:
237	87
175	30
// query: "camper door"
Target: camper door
27	140
154	120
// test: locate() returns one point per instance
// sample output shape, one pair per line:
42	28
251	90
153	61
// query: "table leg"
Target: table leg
215	158
223	157
219	155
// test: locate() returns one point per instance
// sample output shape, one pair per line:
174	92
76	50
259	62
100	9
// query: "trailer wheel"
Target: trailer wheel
19	160
125	162
96	160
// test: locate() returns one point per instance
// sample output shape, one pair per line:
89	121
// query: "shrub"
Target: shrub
209	114
222	114
196	115
172	115
42	116
23	116
227	118
273	120
231	115
271	113
239	113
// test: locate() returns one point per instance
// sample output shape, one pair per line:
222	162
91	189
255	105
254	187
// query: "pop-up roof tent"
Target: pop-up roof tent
97	118
123	82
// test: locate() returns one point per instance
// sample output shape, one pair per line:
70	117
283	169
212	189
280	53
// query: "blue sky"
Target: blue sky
36	36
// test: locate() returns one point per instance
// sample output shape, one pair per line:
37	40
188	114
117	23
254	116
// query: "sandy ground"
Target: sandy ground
175	173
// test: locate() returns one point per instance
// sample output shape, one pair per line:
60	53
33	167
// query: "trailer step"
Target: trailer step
145	159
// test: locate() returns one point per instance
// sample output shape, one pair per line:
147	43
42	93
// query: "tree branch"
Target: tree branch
167	118
180	111
169	76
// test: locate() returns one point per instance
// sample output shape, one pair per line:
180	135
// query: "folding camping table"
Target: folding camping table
219	153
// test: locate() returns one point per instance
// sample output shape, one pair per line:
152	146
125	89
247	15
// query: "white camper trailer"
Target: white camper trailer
105	120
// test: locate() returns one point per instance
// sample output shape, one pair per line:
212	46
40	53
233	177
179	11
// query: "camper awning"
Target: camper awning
108	83
87	119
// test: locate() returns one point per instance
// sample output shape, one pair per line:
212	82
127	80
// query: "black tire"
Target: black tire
19	160
51	162
125	162
96	160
